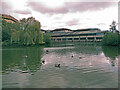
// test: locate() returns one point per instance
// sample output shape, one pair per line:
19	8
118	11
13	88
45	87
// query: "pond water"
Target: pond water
81	66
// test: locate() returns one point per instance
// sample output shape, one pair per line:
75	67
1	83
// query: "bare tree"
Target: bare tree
113	26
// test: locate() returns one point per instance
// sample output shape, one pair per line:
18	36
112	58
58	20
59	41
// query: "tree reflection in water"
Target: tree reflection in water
25	60
111	52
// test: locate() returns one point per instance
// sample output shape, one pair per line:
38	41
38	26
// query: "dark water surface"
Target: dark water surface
81	66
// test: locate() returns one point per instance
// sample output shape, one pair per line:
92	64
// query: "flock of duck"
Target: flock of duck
57	65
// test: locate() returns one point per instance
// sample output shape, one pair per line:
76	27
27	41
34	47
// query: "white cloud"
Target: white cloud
79	17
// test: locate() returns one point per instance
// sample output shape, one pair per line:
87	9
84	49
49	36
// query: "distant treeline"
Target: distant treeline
25	32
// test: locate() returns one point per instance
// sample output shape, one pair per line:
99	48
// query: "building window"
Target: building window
90	38
63	38
69	38
91	33
76	38
99	33
98	37
82	38
59	39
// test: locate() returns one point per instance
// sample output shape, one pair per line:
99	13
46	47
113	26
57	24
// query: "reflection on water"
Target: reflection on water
81	66
22	59
111	53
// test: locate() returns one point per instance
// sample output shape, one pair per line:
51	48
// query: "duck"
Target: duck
57	65
47	51
43	61
72	56
80	57
26	56
24	71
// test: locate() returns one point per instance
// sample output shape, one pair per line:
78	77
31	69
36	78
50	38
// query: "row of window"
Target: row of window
88	34
10	19
89	38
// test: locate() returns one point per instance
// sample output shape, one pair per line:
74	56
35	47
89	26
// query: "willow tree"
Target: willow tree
10	32
5	31
15	36
25	32
31	31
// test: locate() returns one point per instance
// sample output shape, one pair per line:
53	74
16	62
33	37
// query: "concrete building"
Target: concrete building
8	18
89	34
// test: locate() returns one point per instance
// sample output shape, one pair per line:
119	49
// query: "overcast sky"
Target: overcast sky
72	14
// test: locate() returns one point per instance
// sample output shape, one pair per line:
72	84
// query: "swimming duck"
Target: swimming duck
26	56
72	56
43	61
47	51
57	65
80	57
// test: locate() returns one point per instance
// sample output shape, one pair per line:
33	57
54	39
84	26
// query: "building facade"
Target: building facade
8	18
90	34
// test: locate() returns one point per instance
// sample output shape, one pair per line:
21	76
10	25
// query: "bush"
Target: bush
111	39
47	38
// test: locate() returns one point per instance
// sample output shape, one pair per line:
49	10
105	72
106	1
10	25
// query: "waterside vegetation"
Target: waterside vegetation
111	39
26	32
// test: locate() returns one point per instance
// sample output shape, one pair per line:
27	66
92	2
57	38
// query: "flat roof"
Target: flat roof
5	16
87	29
60	29
75	33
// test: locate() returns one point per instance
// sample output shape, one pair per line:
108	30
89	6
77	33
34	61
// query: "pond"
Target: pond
82	65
